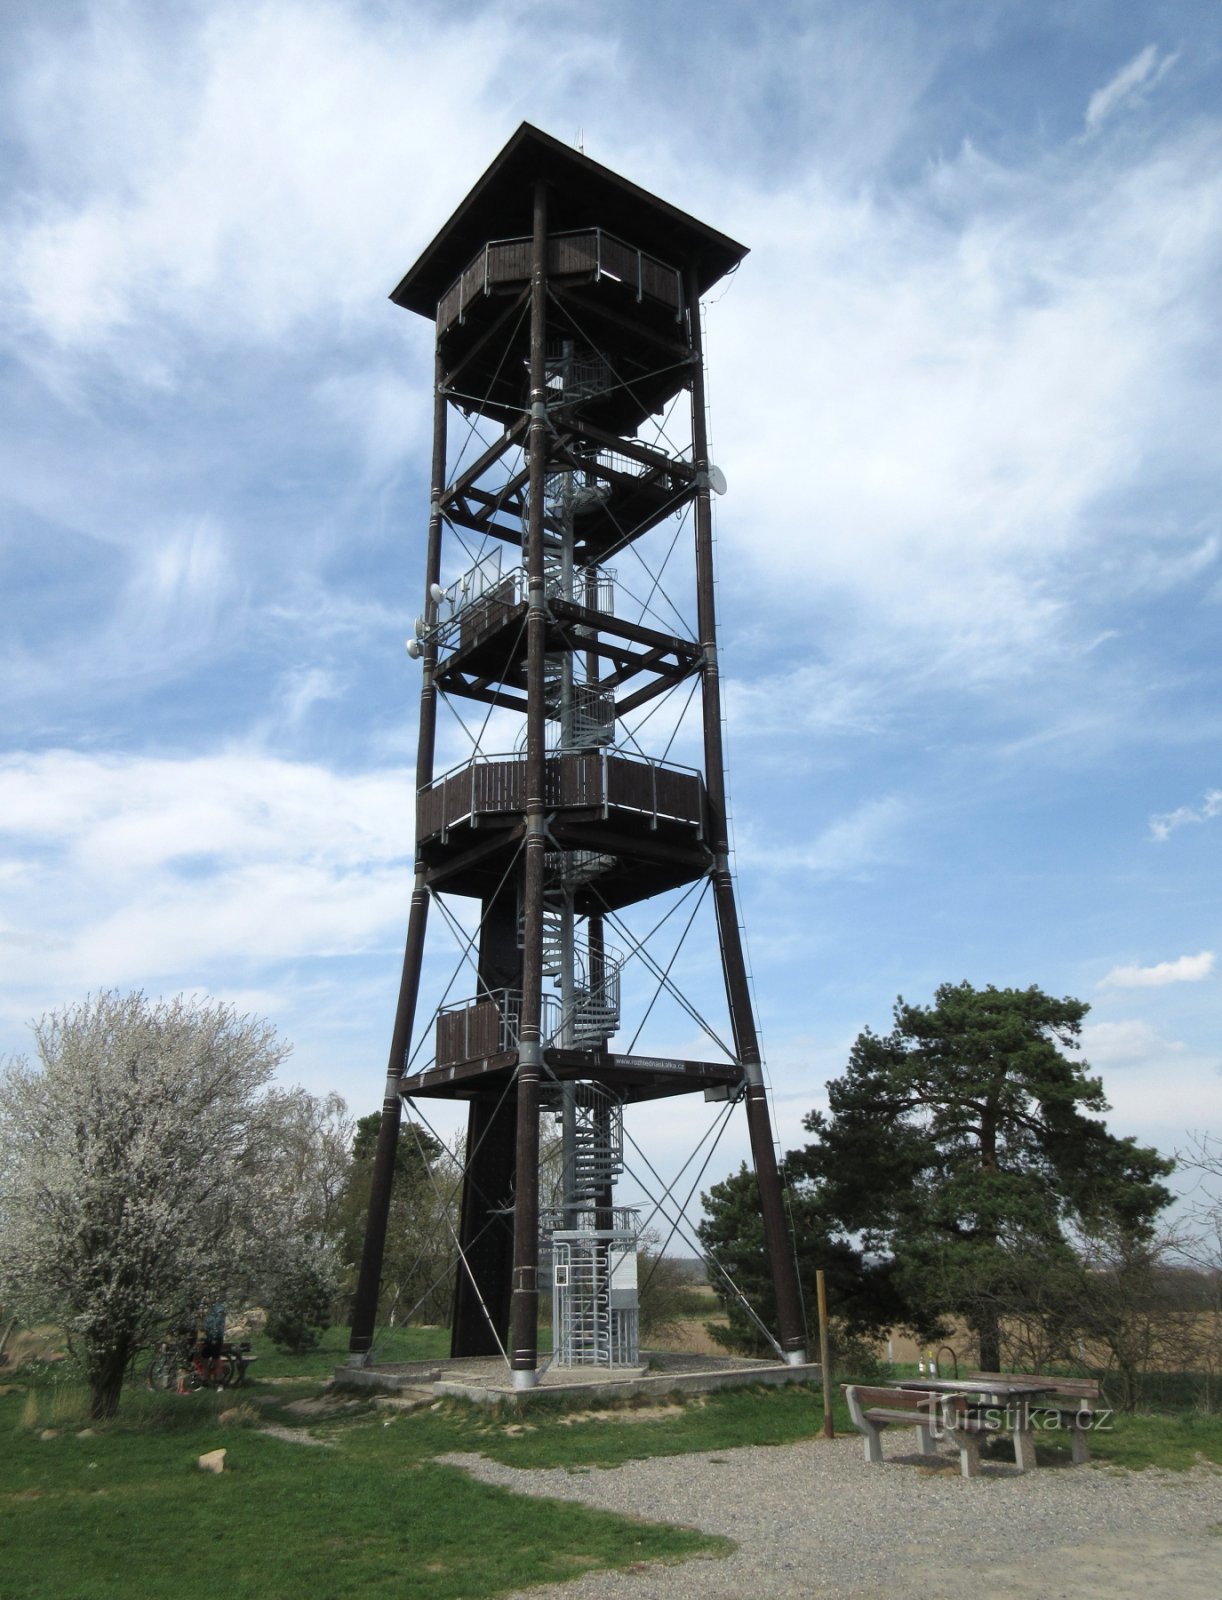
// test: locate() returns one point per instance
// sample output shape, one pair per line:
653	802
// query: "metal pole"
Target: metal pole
365	1301
562	512
734	966
825	1360
524	1306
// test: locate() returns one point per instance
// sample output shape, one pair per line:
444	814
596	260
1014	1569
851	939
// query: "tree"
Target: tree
732	1231
308	1176
417	1268
133	1164
312	1164
966	1145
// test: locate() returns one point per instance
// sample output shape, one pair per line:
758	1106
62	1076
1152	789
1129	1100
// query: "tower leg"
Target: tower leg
365	1301
482	1286
738	992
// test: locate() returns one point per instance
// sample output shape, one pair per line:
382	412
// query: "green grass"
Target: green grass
393	1344
127	1511
1140	1440
553	1433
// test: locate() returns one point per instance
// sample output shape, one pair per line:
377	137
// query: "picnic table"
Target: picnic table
992	1404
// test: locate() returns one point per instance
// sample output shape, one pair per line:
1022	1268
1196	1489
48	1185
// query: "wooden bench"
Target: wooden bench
872	1410
1077	1416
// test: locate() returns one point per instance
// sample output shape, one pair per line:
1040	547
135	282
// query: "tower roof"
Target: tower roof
581	194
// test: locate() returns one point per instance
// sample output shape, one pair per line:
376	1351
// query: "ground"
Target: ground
813	1520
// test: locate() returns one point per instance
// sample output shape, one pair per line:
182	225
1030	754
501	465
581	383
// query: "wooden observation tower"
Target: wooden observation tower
567	311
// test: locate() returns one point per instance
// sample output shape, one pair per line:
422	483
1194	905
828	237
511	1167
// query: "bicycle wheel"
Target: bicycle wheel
160	1374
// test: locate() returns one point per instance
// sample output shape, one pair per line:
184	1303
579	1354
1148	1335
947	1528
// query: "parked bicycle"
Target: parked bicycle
180	1363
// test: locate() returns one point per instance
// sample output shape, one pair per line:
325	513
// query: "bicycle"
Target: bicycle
181	1364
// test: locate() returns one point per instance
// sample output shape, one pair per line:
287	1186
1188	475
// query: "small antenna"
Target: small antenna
581	140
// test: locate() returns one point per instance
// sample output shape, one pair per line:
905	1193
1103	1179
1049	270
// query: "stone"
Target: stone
212	1461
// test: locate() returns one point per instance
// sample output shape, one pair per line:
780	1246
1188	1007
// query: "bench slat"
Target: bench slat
912	1398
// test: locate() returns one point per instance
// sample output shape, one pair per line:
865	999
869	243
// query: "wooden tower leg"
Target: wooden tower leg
369	1282
738	993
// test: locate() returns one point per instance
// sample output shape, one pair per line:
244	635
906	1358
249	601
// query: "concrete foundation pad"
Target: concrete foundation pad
488	1381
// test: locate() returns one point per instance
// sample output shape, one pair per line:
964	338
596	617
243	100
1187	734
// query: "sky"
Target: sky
965	389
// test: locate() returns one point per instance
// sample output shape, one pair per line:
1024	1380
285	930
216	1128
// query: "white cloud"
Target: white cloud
967	371
1143	72
119	871
868	835
386	412
1122	1044
1186	969
810	699
1156	1087
293	168
970	363
1164	824
302	688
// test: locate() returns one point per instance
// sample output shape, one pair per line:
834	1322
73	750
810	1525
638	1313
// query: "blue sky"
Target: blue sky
965	390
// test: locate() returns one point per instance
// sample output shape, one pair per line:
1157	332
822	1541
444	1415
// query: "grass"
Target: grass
1140	1440
105	1513
393	1344
96	1514
554	1433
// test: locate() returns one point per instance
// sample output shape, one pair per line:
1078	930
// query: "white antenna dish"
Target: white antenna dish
413	649
437	592
717	479
421	627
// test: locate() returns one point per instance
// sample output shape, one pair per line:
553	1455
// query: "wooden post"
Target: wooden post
825	1364
734	966
369	1282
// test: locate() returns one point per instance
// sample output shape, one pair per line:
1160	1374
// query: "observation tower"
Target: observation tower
569	440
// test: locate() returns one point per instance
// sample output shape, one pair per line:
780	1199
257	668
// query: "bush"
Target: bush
299	1306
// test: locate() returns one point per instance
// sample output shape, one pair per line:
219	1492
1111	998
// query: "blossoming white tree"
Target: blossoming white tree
135	1169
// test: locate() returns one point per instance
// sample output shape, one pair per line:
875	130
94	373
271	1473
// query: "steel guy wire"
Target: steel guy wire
708	1132
462	1256
464	948
702	1250
721	1126
674	957
675	993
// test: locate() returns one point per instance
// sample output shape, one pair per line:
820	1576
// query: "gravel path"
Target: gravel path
813	1520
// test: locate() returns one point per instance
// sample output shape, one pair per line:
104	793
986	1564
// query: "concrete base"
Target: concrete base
490	1382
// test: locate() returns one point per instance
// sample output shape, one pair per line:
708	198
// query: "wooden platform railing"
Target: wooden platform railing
590	252
496	785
